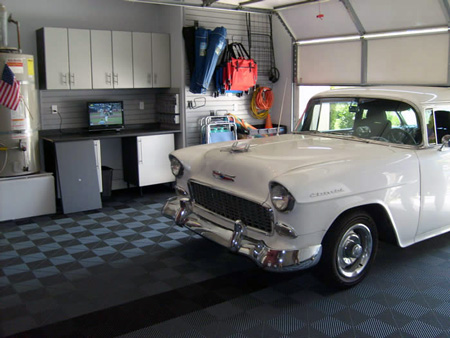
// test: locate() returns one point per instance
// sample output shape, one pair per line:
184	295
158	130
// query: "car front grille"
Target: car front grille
232	207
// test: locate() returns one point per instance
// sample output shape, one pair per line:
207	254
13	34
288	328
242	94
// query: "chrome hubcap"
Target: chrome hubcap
354	250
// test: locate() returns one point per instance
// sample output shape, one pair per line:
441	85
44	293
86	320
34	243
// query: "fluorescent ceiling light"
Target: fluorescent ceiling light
406	32
375	35
325	40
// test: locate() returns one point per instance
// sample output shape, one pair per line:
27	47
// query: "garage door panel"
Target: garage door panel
421	60
331	63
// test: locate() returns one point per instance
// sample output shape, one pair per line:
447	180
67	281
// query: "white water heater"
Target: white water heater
19	127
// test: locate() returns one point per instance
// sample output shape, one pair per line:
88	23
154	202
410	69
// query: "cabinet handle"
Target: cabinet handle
116	78
140	159
72	78
96	155
149	78
64	78
155	77
108	78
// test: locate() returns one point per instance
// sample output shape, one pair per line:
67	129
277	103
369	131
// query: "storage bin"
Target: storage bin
107	175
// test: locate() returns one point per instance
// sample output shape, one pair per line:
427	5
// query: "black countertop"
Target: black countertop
84	134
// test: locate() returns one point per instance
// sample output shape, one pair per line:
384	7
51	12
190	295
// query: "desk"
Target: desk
76	162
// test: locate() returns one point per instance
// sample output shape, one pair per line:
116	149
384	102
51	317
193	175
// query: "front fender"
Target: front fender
323	192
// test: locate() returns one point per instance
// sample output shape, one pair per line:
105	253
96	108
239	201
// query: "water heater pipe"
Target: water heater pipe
10	19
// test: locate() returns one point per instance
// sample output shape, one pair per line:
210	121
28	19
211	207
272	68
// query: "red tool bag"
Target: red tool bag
241	70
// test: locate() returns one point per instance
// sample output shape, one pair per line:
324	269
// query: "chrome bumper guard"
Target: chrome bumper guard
180	210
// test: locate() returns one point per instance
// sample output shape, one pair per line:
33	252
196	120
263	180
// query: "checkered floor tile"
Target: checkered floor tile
127	268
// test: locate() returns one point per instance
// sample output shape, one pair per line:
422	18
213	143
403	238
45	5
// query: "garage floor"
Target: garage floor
125	270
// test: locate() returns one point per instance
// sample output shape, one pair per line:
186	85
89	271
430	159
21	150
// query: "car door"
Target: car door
435	178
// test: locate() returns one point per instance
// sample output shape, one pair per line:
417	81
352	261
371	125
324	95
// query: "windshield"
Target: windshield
368	118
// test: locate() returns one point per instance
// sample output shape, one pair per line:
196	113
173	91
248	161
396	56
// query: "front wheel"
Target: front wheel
349	248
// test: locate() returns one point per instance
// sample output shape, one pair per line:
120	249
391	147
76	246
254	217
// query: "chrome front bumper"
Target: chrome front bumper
180	210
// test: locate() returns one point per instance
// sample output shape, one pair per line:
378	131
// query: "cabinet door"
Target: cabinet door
153	159
101	47
77	175
161	60
80	59
142	60
56	58
122	60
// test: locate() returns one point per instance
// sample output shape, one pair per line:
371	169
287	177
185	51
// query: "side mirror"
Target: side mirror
445	142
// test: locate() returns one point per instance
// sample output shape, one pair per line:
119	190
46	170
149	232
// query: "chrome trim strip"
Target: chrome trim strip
237	240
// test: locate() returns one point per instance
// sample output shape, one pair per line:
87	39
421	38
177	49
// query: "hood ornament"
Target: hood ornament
224	177
240	147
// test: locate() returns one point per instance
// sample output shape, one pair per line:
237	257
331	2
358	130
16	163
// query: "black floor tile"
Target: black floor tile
125	270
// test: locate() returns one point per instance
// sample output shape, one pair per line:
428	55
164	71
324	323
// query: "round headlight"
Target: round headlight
281	198
176	166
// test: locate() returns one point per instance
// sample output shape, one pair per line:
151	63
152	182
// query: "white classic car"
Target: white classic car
362	164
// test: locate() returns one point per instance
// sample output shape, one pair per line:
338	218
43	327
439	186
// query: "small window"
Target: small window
442	123
431	131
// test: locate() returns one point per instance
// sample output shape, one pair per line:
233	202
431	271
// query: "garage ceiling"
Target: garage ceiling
311	19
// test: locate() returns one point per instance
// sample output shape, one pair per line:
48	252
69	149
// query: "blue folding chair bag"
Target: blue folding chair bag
216	45
201	47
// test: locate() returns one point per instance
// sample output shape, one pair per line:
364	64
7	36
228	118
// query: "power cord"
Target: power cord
262	101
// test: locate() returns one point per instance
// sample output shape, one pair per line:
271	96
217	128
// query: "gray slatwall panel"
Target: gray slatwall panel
236	32
72	106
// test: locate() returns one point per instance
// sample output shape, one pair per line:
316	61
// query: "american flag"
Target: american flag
9	89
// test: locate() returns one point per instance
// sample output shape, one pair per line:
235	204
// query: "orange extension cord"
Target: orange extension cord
262	101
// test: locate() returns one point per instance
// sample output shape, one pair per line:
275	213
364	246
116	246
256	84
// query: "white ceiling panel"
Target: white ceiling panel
392	15
304	23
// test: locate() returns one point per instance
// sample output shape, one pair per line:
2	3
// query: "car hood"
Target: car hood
281	158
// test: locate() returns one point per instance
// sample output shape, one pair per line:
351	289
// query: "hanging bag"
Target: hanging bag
242	71
221	76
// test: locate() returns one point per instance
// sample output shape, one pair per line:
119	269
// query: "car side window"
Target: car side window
442	122
431	131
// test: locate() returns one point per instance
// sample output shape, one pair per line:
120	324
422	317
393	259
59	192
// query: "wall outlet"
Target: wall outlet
54	109
141	105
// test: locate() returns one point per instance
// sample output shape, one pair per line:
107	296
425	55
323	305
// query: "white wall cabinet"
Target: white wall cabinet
151	60
161	60
101	47
65	58
146	159
102	59
79	59
122	56
112	60
142	60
